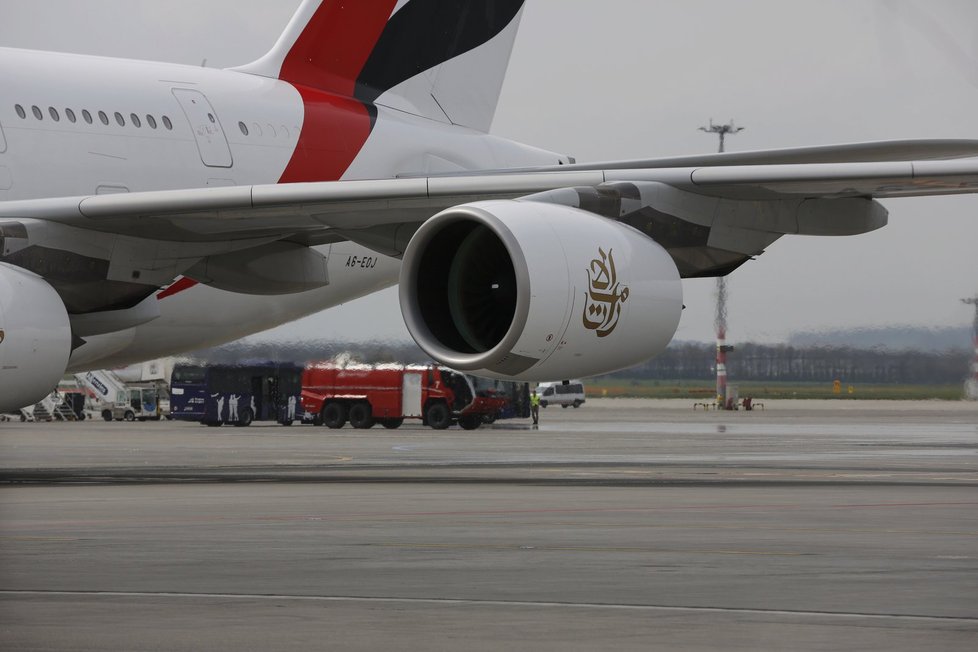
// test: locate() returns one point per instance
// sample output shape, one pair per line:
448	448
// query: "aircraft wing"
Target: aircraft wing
382	214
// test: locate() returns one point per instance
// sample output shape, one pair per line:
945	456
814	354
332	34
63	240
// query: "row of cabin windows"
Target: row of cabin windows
256	130
103	117
119	118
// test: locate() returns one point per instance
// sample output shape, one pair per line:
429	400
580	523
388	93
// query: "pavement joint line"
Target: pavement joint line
488	602
612	549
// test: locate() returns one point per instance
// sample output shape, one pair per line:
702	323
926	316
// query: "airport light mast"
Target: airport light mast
721	314
971	386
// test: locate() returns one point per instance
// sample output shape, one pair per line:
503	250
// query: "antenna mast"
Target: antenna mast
721	314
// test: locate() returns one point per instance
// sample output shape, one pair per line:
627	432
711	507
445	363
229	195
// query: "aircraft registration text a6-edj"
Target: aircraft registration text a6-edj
152	208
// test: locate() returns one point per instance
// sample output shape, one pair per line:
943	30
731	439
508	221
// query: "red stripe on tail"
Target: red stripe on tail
323	65
334	46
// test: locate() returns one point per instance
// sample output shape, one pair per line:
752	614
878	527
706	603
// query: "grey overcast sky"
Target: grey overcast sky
635	78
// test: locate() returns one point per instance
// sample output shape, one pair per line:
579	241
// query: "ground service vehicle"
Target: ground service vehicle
562	394
236	394
147	401
516	395
125	401
390	393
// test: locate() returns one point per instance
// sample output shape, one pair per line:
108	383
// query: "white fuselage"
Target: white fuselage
74	125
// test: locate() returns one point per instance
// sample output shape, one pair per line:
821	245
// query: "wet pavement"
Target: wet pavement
622	525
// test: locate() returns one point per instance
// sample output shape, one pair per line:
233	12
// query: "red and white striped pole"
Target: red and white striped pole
971	385
721	364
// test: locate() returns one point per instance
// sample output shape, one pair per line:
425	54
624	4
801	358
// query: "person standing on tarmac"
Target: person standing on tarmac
535	407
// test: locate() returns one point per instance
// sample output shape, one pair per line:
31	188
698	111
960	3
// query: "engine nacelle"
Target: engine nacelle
35	338
537	291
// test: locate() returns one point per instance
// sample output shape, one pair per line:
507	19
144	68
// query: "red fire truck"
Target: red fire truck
390	393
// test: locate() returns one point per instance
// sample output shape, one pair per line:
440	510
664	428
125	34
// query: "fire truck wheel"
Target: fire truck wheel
129	415
470	421
333	415
438	416
245	418
107	415
361	416
391	424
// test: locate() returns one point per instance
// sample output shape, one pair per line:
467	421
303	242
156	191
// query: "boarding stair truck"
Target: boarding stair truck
49	408
119	401
390	393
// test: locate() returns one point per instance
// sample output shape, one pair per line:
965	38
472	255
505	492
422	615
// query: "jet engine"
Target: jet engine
537	291
35	338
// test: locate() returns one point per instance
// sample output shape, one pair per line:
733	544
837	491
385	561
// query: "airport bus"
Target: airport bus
238	394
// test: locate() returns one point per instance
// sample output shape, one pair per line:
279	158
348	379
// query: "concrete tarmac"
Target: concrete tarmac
625	525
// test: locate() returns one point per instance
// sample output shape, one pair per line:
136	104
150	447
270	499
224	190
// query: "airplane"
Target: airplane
147	209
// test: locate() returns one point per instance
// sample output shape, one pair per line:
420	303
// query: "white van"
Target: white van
560	394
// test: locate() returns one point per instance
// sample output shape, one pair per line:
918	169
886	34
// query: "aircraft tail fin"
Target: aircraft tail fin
440	59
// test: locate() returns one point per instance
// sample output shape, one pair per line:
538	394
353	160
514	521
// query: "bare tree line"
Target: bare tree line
781	362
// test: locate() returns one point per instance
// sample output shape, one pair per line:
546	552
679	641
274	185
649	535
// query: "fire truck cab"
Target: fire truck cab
390	393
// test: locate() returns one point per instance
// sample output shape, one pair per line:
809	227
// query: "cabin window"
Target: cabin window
151	121
20	111
70	115
134	119
37	112
243	127
87	116
54	114
167	123
104	118
120	119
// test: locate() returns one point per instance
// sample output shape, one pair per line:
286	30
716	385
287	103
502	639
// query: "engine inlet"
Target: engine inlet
466	287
